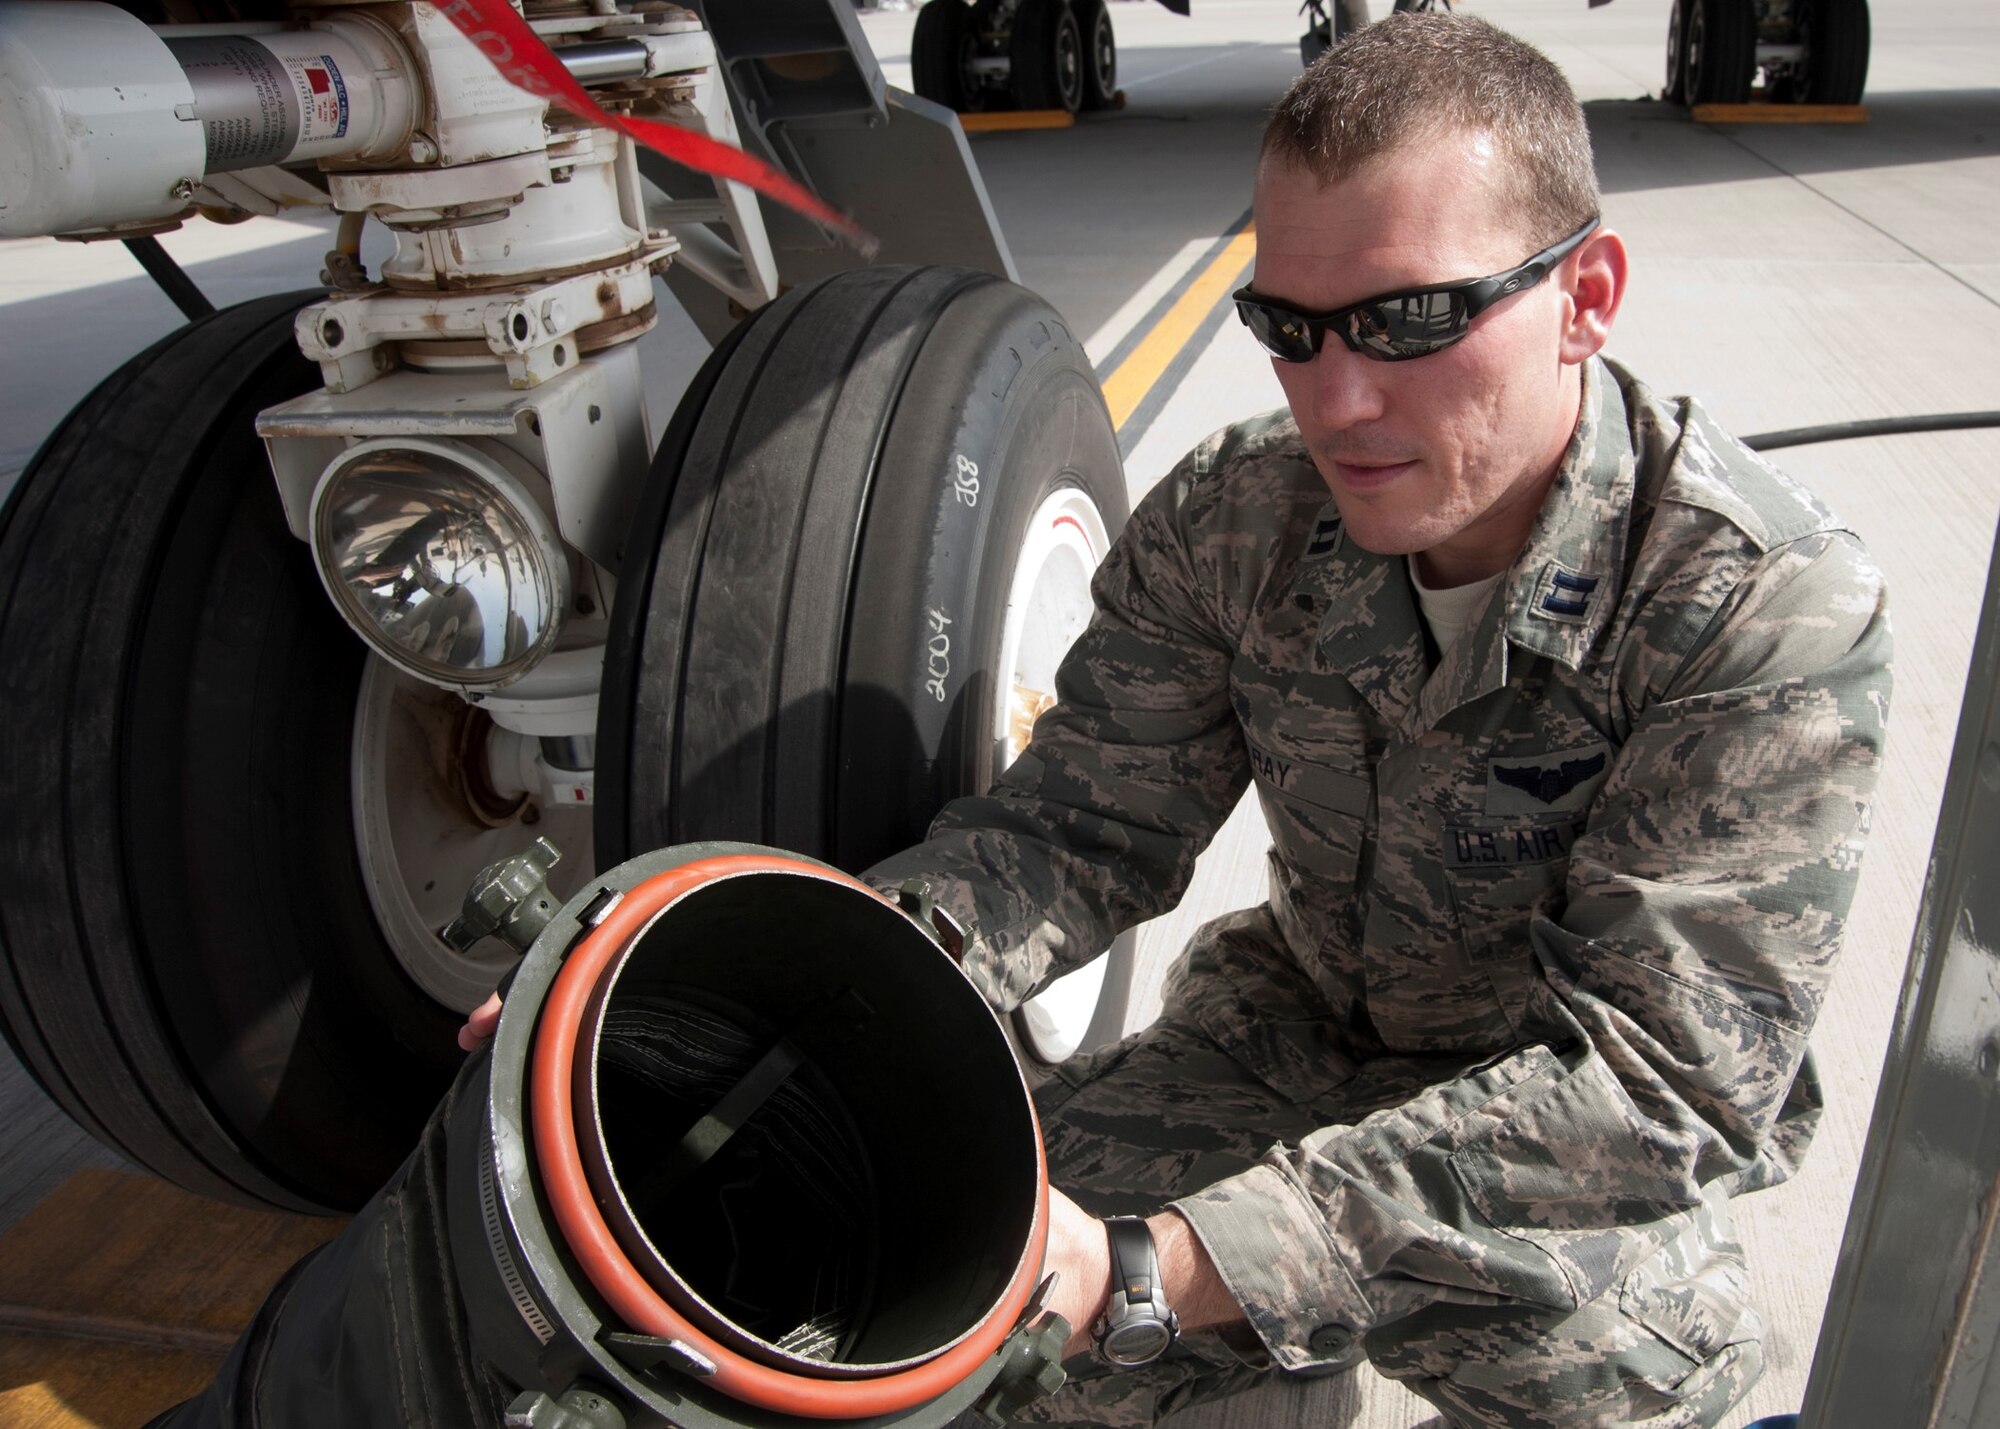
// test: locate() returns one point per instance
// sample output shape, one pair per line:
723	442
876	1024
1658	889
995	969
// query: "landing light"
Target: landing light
440	558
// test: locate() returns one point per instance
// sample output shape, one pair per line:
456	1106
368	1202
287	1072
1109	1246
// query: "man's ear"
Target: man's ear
1593	286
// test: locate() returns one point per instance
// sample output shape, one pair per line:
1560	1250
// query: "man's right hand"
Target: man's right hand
479	1024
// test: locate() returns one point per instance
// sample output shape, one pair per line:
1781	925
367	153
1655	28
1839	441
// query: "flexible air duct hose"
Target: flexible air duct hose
747	1149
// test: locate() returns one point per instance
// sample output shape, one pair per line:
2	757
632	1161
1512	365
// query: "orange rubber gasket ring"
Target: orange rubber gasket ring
604	1261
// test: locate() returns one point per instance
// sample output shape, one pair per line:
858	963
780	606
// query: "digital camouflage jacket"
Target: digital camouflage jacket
1591	869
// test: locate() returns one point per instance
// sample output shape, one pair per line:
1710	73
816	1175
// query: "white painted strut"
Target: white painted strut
103	122
97	120
106	122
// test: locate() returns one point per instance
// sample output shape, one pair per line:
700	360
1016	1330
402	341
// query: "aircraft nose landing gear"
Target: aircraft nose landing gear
310	607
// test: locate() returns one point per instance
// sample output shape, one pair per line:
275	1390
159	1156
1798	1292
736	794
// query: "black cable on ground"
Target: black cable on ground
176	284
1872	427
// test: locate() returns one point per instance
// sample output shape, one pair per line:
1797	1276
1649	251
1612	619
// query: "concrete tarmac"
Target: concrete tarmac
1785	276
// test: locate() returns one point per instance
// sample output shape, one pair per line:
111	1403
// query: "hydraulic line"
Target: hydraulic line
1872	427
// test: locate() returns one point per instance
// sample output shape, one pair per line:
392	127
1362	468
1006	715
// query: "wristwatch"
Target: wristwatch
1137	1326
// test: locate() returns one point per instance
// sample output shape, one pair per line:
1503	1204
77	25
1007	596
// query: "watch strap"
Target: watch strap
1137	1327
1135	1263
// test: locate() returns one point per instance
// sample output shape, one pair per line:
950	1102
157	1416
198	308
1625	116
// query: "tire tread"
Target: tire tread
106	948
766	654
934	52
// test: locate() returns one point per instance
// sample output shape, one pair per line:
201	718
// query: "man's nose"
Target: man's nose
1347	387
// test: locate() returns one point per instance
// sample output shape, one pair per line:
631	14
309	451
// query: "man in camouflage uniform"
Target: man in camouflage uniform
1565	714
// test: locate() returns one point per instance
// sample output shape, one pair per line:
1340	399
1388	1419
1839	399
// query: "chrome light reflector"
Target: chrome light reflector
440	558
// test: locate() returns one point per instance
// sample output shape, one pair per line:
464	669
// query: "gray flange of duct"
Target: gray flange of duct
801	1179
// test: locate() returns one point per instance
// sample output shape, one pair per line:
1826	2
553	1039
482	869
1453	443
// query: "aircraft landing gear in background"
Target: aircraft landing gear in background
1808	51
1327	23
1023	54
1326	28
1831	66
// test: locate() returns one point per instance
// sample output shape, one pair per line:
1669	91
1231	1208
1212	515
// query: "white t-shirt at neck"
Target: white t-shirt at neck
1448	612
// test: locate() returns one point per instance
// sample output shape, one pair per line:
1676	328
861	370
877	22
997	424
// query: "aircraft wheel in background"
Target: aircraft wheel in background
1048	56
1721	54
1674	90
1836	37
937	52
1100	54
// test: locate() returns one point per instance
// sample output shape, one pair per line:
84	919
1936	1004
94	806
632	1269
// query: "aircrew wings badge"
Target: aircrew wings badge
1546	783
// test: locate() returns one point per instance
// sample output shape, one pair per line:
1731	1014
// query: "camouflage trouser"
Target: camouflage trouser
1166	1112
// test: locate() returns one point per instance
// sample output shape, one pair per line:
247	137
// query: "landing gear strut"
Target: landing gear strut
1330	21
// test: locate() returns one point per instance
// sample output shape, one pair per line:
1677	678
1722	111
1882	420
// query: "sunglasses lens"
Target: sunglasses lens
1394	329
1284	335
1411	325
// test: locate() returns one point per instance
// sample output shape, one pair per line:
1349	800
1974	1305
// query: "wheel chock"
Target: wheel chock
1009	119
1779	114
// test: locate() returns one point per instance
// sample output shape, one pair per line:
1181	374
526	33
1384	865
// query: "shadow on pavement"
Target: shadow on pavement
1646	144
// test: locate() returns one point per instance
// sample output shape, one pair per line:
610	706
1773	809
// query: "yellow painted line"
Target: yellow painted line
1126	388
1004	119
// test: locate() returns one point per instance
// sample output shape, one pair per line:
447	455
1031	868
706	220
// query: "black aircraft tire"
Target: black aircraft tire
777	675
1047	56
1674	89
192	966
1721	54
1100	54
1837	41
937	48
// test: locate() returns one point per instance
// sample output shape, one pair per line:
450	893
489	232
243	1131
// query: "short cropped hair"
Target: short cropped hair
1416	76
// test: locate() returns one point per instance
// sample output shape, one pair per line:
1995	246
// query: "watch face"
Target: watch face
1137	1344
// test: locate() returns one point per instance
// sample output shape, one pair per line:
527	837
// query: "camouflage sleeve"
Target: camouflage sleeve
1705	904
1097	825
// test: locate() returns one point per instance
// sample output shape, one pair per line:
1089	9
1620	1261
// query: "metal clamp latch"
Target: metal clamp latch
915	898
509	899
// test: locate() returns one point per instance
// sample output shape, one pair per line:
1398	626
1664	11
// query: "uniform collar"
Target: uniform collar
1371	634
1563	589
1556	599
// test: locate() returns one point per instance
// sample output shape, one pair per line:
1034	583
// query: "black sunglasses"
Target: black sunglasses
1396	327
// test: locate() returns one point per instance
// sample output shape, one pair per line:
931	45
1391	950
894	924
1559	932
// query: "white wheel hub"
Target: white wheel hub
1048	606
421	838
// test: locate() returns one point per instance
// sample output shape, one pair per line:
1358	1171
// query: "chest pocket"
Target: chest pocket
1503	871
1318	817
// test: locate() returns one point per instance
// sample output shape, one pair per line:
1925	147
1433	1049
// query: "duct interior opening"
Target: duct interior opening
817	1127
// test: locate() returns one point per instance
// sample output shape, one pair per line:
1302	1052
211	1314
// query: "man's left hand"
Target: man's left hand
1081	1258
